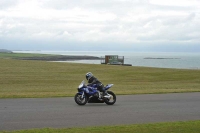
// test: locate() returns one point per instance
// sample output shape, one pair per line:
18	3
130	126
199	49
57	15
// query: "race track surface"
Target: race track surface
16	114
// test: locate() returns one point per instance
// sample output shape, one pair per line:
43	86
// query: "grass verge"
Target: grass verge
173	127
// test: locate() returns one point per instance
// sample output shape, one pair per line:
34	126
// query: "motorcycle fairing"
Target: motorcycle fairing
108	86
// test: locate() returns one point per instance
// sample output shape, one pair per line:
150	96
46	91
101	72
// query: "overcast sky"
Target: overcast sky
134	25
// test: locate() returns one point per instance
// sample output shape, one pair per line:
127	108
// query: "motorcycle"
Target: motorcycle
90	94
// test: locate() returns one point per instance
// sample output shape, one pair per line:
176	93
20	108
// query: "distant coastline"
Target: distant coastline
45	57
60	58
149	59
5	51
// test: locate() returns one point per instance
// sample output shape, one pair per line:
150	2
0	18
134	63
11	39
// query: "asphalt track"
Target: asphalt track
16	114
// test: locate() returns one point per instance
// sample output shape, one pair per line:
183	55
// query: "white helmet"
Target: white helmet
88	75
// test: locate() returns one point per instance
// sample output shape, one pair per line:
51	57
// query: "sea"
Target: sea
146	59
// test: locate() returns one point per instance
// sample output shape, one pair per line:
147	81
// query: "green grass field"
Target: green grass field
22	78
174	127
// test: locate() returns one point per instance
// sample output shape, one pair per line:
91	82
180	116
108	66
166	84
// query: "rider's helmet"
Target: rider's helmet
88	75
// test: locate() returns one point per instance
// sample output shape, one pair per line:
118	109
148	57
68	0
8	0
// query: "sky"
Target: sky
100	25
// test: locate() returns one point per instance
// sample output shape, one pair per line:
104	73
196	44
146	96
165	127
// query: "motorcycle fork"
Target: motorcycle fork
100	94
82	96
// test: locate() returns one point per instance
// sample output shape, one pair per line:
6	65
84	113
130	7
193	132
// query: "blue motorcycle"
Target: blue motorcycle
90	94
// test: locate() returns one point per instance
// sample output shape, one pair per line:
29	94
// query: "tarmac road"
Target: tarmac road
16	114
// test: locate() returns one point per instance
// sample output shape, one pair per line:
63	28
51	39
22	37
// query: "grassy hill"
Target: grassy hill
22	78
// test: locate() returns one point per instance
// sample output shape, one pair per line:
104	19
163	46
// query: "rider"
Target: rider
93	80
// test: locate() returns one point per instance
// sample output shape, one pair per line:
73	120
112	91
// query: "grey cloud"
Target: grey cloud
118	7
4	4
88	4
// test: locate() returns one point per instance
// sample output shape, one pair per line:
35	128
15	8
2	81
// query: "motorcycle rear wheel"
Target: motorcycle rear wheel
112	100
79	100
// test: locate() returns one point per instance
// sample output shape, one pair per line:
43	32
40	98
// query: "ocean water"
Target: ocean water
157	59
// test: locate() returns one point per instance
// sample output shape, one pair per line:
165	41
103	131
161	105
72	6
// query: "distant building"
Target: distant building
112	59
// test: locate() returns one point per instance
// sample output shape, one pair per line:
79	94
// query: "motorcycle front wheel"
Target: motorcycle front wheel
79	100
111	100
